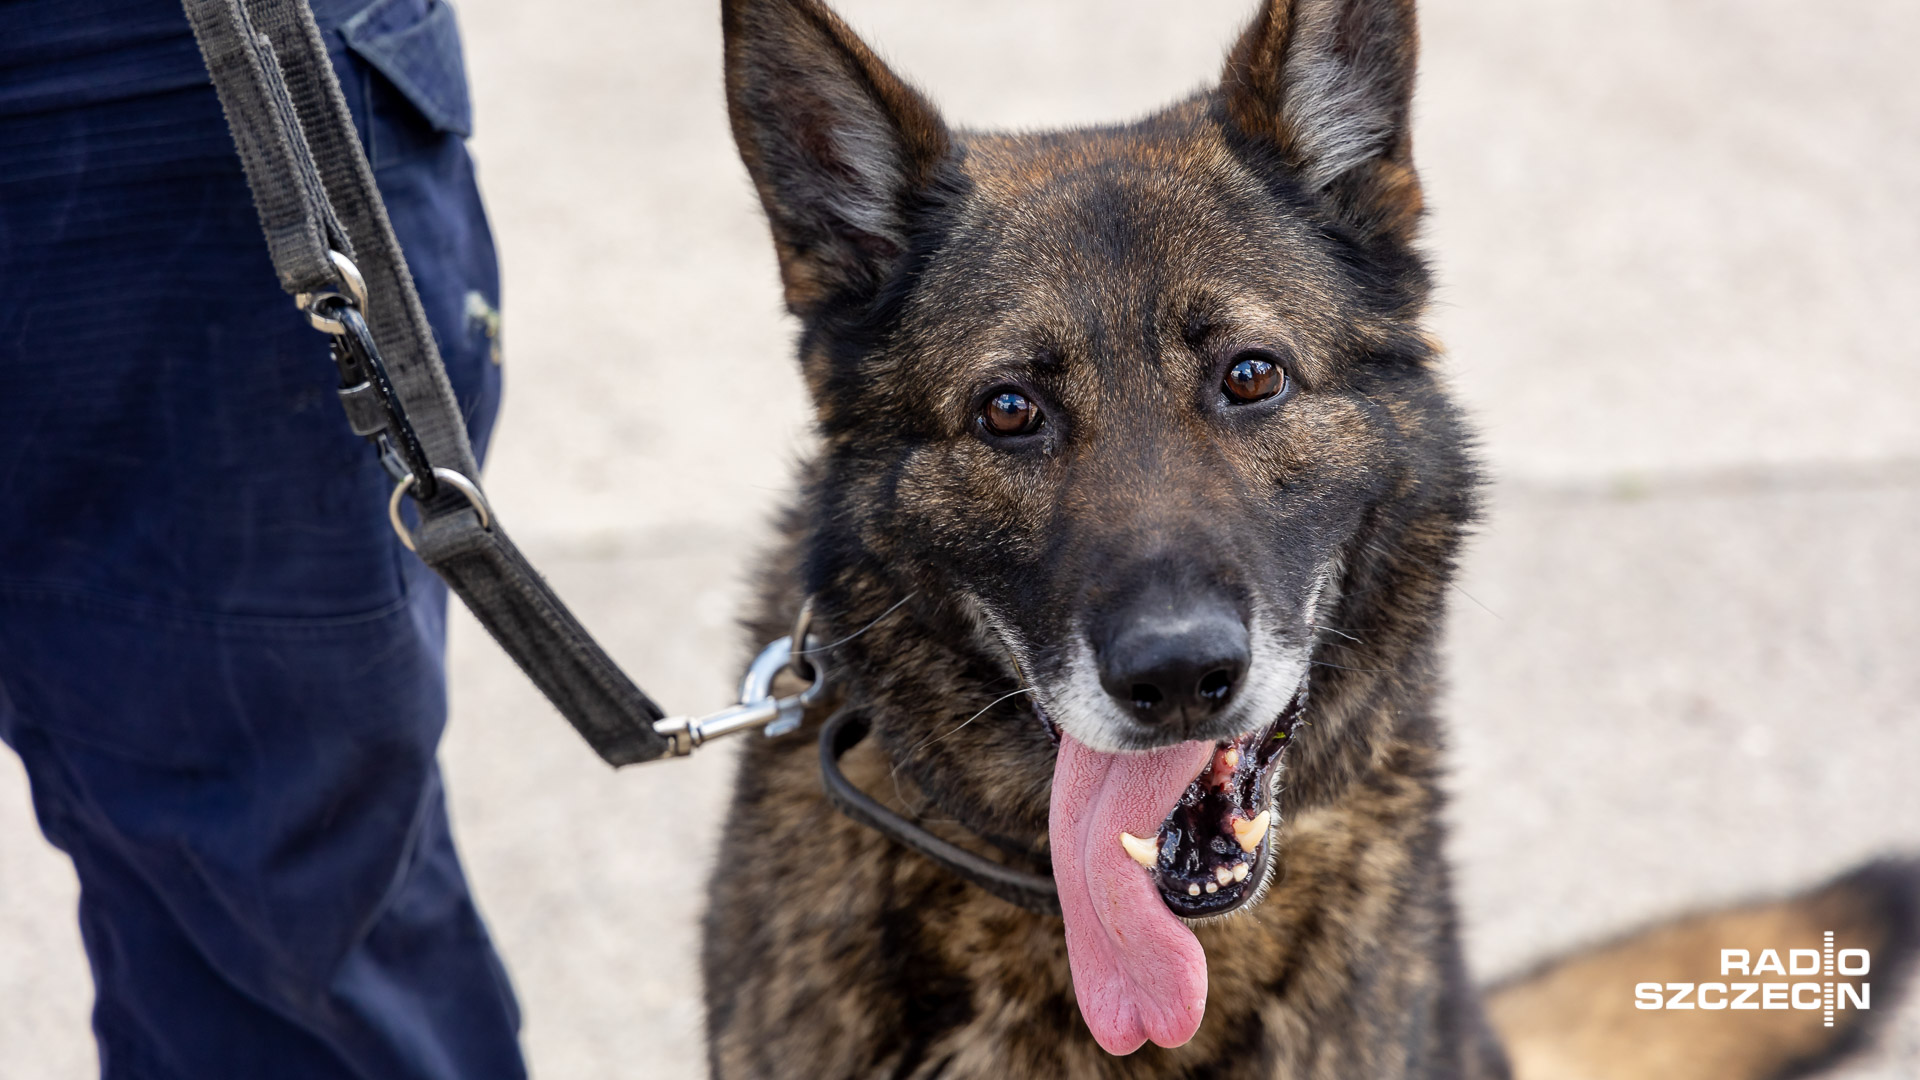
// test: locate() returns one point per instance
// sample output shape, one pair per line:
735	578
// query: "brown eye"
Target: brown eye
1010	412
1253	378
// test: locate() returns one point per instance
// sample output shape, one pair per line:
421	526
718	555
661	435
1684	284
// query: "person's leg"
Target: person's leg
221	670
275	894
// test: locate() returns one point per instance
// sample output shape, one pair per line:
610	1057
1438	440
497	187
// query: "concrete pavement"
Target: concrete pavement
1677	253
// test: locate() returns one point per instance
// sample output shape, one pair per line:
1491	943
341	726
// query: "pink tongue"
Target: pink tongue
1138	972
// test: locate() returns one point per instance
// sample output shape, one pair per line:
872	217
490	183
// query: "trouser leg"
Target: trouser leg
222	672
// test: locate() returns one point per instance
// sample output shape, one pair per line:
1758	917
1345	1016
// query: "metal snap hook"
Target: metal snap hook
797	661
453	479
757	708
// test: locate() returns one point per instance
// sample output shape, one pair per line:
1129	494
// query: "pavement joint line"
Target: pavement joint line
1813	478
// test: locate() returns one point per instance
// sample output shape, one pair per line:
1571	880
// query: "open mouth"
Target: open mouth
1143	844
1209	856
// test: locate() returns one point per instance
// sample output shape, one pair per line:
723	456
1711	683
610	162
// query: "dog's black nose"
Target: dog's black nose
1175	663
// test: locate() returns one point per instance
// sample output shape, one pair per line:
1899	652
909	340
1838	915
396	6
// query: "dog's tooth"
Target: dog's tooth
1144	852
1250	833
1231	759
1193	890
1240	872
1212	888
1223	875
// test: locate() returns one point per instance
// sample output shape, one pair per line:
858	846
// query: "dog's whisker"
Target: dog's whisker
983	711
875	621
1394	548
1343	667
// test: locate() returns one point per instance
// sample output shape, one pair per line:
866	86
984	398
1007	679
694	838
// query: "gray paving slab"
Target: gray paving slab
1675	696
1676	248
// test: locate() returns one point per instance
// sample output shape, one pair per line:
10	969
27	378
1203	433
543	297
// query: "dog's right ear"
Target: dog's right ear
839	147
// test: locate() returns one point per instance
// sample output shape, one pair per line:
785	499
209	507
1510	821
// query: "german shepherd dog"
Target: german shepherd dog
1138	491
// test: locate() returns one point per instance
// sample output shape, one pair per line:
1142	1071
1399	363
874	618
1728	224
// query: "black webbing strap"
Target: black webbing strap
316	196
515	605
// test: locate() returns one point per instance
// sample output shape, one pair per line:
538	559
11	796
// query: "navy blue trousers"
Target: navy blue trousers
224	675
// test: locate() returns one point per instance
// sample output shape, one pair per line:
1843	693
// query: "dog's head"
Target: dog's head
1137	416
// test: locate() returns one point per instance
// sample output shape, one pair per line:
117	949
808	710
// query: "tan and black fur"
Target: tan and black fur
1110	273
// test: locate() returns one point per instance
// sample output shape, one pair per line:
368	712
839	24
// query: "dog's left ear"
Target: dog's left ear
841	149
1328	84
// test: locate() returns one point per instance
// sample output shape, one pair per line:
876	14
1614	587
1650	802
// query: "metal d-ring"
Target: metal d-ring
447	476
356	295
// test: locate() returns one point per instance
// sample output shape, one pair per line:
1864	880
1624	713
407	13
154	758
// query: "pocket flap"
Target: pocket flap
416	45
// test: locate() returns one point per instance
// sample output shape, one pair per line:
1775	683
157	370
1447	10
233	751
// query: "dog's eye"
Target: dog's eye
1008	413
1252	378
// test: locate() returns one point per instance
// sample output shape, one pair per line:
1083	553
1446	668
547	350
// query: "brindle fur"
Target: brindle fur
1109	269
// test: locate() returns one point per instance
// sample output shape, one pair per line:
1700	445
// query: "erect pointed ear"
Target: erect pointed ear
839	147
1329	84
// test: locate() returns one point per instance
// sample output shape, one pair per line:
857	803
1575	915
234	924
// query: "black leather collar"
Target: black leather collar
841	733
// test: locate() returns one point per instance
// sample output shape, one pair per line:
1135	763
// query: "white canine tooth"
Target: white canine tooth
1212	888
1231	759
1144	852
1250	833
1193	890
1241	871
1223	875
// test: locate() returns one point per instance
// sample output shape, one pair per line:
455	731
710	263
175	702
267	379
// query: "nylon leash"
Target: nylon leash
333	248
